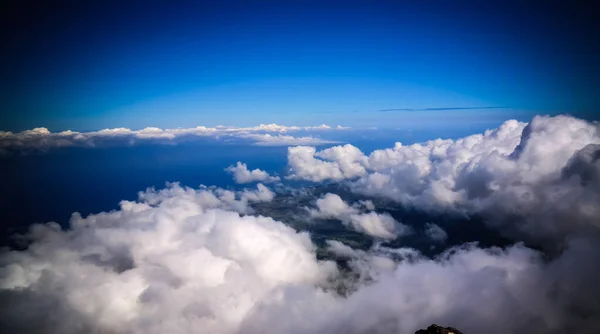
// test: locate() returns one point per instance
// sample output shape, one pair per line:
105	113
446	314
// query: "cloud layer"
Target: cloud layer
264	134
539	179
177	261
183	260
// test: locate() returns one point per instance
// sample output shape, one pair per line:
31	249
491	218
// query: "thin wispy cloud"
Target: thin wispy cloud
442	108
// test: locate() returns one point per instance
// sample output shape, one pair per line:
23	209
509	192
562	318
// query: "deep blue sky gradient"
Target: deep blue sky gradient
81	66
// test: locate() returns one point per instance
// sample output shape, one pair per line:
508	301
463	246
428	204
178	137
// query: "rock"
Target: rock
435	329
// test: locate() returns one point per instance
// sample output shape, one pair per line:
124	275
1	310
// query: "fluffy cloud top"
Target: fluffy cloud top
42	138
536	177
180	260
331	206
211	197
241	174
177	261
336	163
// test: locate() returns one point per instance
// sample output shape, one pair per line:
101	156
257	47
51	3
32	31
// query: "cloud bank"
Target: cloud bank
179	260
538	179
183	260
264	134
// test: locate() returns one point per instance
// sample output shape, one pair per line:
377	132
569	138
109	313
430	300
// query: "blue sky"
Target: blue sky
86	67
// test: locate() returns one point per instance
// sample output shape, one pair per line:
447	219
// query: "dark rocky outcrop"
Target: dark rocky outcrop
435	329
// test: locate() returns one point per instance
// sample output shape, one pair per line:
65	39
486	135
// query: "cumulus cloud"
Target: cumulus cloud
533	179
183	260
336	163
332	206
179	260
379	225
210	197
477	290
241	174
261	194
43	139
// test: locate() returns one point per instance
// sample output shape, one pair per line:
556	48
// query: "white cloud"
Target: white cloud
331	206
284	140
475	290
304	164
183	260
209	197
378	225
261	194
271	128
340	249
241	174
179	260
280	128
508	174
43	139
